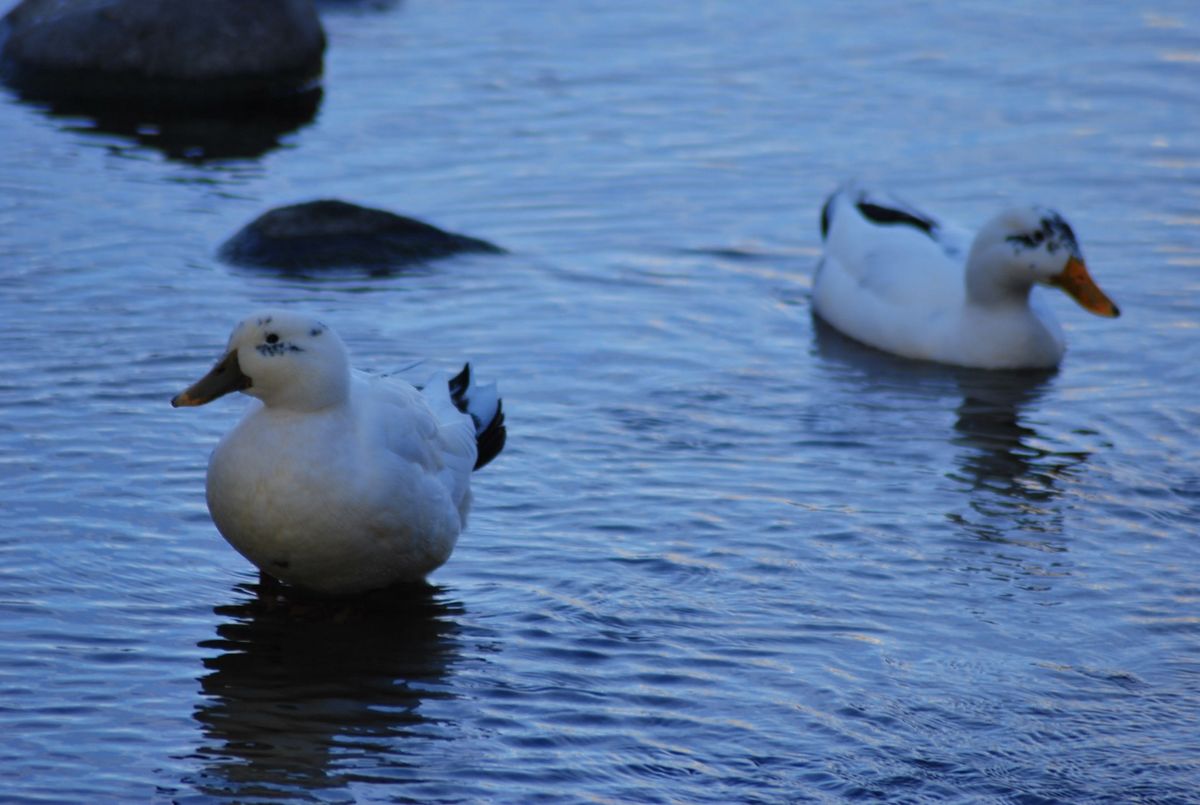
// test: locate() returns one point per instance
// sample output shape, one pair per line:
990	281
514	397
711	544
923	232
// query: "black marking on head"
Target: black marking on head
1060	233
265	321
879	214
273	348
1054	232
1028	241
316	331
272	338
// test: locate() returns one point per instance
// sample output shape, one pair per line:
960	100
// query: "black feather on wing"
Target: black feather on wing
880	214
884	212
458	388
489	437
490	441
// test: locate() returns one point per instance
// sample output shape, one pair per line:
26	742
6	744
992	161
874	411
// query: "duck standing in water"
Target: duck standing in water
899	280
336	481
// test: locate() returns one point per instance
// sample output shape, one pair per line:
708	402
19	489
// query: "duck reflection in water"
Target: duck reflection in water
1004	453
1005	465
1013	475
308	695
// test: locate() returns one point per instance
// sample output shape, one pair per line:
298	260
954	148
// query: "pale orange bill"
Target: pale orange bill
222	379
1075	280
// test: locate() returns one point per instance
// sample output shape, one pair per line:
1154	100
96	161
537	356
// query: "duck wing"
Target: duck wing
403	426
889	252
885	209
891	275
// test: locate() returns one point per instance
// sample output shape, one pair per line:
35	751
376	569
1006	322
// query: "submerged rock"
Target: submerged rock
168	53
331	234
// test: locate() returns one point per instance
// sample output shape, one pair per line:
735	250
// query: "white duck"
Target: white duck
336	481
900	281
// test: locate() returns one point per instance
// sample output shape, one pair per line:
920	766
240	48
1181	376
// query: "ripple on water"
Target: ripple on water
727	555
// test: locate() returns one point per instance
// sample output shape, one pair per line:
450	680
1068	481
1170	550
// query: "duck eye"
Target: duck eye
272	338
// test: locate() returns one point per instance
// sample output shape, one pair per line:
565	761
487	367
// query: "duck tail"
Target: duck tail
486	409
829	210
826	216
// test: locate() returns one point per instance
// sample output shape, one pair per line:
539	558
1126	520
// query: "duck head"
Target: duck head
287	360
1027	245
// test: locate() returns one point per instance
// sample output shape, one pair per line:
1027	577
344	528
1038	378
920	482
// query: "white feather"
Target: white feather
903	287
338	481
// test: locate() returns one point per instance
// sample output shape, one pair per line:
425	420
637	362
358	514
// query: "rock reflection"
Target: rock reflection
357	5
305	696
194	137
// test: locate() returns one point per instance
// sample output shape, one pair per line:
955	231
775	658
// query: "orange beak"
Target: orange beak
225	377
1075	280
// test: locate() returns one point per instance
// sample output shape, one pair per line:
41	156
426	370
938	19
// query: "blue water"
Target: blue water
727	555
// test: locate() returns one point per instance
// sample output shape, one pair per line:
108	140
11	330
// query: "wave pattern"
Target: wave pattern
727	554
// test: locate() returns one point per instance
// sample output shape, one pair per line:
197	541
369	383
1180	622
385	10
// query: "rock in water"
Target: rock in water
331	234
169	53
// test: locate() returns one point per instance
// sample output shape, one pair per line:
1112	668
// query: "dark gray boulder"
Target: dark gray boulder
335	234
174	53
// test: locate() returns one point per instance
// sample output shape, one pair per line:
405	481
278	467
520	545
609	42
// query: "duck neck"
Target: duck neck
306	394
330	391
989	284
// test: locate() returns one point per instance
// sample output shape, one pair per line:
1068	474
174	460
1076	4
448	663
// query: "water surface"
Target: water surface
727	555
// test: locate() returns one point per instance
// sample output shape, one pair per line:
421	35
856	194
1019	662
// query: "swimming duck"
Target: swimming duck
336	481
899	280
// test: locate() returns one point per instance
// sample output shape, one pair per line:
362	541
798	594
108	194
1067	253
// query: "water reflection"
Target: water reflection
310	695
998	445
1013	477
1002	462
357	5
183	136
1002	452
